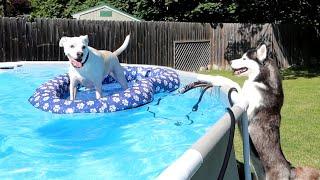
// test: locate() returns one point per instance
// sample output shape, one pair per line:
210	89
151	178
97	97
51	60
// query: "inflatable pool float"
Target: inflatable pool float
52	96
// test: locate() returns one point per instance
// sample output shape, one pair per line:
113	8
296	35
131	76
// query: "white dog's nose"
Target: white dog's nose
80	54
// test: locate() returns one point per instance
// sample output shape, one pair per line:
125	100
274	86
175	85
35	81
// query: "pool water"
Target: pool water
132	144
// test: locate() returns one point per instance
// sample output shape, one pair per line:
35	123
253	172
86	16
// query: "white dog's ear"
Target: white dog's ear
262	52
85	39
62	41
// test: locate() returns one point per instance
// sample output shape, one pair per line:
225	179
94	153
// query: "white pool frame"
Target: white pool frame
204	158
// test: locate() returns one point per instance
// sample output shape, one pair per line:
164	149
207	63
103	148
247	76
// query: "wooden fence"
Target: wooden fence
288	44
151	42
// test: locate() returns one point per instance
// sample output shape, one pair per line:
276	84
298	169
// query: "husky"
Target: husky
264	93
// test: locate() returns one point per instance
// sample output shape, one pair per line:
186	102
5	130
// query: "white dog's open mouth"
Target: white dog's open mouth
240	70
75	63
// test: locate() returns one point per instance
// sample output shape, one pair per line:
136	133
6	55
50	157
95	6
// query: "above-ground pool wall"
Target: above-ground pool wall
212	163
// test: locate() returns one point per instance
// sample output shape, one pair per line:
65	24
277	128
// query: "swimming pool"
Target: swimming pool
132	144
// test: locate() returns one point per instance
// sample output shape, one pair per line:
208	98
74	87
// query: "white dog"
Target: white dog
89	66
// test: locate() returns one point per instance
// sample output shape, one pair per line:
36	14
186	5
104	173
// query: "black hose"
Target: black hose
229	146
193	85
231	136
229	95
195	107
7	67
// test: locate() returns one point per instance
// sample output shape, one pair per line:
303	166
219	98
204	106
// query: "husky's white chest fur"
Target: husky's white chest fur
251	92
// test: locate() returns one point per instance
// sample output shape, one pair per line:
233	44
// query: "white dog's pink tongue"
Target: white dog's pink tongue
76	63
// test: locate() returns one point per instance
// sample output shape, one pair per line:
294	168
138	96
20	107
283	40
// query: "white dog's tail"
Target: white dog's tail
123	46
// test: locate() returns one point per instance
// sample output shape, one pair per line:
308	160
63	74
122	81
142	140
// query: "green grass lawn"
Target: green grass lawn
300	125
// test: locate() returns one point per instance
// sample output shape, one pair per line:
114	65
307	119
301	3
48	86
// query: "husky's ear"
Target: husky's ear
262	52
85	39
62	41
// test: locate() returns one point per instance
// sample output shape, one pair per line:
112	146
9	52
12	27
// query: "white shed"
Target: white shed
104	12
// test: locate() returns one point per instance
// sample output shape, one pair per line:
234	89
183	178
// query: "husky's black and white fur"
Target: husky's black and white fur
263	91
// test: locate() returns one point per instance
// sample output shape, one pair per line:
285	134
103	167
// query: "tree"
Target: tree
47	8
74	6
4	7
288	11
15	7
182	10
245	11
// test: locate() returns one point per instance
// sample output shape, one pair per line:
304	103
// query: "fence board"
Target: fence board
58	50
122	35
45	39
2	51
13	32
20	39
52	42
24	45
7	40
13	41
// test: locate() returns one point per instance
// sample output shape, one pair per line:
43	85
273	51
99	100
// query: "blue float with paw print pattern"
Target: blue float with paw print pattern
146	81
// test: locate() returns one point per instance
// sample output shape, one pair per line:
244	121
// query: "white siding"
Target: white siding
95	15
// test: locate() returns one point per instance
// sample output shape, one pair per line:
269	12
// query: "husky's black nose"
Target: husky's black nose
80	54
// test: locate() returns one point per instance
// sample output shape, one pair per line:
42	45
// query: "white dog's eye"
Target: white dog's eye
72	46
83	47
